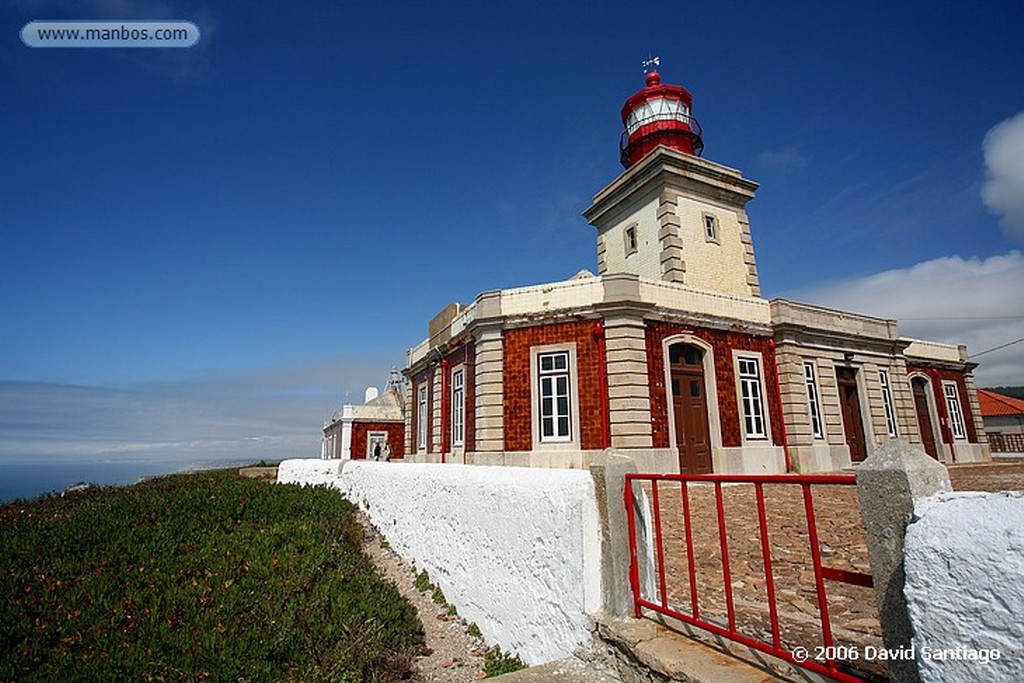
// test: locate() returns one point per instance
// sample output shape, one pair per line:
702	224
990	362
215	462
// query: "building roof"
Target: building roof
993	404
385	408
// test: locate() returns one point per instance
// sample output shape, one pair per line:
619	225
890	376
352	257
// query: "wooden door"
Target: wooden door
924	417
690	409
849	402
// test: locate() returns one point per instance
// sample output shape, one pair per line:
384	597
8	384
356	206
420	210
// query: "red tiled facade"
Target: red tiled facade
946	375
463	355
396	438
517	380
723	344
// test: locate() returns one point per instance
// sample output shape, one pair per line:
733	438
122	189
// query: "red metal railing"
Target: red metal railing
729	630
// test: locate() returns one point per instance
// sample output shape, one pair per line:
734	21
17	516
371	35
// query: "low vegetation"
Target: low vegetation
496	661
196	577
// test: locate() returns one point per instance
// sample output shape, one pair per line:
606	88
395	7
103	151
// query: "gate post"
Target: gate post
609	475
888	483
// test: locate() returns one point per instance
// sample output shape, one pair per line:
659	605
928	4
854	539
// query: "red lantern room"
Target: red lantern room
658	115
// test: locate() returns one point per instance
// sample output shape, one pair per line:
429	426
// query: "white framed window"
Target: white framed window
458	407
629	239
813	404
751	395
956	415
421	418
555	409
890	412
710	228
554	397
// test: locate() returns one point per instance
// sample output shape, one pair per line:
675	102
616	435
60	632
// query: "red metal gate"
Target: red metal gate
826	664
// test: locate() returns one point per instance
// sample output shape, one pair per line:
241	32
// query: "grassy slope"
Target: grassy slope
196	577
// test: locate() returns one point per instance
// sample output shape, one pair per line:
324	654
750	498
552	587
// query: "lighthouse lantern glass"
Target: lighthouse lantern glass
657	109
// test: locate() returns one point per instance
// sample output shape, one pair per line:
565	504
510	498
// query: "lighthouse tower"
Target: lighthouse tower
659	115
671	215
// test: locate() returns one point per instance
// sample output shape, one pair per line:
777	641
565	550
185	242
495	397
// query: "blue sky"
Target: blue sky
206	251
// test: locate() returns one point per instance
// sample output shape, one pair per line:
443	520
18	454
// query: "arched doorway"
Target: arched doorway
924	416
689	407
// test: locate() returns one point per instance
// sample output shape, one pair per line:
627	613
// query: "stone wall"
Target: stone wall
516	550
964	564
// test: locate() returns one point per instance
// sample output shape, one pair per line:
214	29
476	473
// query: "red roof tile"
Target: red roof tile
993	404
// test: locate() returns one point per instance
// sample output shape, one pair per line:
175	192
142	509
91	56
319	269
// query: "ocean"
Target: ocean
30	479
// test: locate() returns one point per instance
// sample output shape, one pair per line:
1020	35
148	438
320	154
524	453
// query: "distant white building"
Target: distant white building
373	429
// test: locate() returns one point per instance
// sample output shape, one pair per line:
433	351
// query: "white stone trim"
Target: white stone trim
959	404
422	400
457	447
933	414
814	381
369	442
573	443
710	393
866	427
745	439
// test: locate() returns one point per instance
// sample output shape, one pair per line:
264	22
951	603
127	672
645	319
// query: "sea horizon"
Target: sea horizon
26	479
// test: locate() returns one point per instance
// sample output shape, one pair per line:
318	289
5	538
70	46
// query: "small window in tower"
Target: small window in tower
710	228
629	237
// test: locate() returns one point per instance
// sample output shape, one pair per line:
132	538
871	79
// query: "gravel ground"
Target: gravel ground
1002	474
455	656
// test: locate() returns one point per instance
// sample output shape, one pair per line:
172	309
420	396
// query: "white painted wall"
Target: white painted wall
516	550
309	472
964	561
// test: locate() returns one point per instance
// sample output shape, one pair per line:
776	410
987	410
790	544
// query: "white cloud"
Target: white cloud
1003	191
260	415
973	301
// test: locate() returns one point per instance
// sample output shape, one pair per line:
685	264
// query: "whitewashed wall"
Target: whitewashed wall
309	472
516	550
964	562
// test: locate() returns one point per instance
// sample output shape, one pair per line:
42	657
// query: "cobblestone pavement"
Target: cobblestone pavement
852	612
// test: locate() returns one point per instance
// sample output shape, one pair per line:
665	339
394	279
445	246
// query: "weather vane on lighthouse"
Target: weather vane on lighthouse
651	63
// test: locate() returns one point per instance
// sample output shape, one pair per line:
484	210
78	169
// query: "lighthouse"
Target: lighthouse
659	114
672	215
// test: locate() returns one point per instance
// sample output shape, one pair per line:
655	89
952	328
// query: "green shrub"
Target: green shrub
422	582
473	630
196	577
497	662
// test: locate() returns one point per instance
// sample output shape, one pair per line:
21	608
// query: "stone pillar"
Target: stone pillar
434	415
793	388
602	260
629	399
490	393
409	407
673	267
888	482
748	254
609	475
975	415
